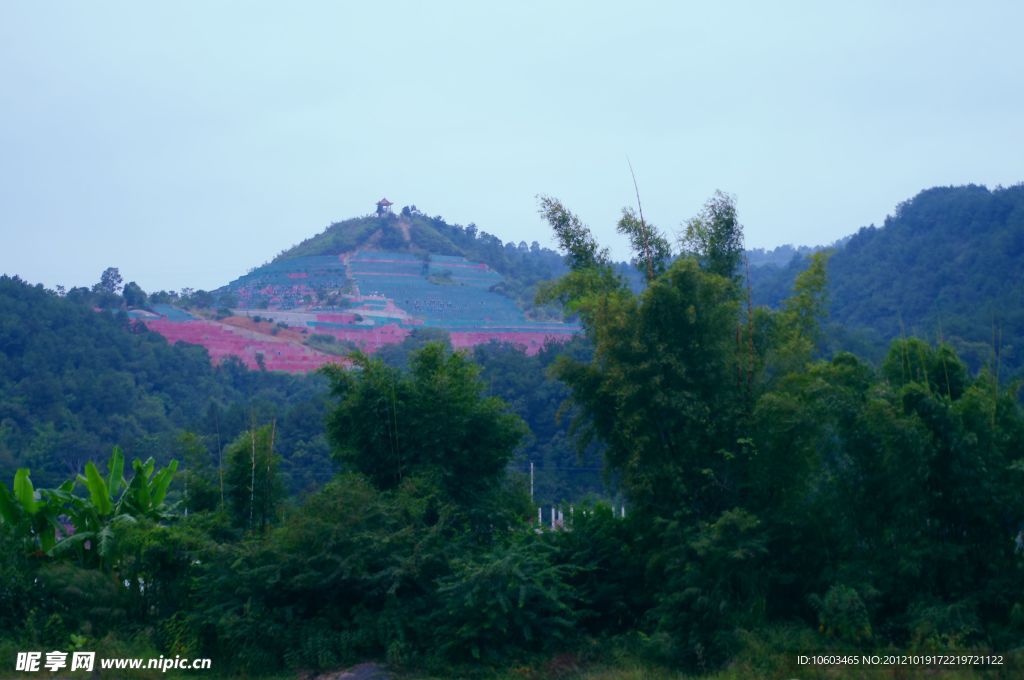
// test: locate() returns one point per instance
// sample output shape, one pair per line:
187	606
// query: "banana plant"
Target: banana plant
143	496
146	493
36	515
95	518
33	515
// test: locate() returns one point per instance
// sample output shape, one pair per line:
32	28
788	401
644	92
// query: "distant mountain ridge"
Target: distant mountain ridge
947	265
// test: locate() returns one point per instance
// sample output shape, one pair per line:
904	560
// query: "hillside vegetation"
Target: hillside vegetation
75	382
785	496
779	503
947	265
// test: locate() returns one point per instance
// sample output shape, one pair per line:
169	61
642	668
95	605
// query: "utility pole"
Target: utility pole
531	481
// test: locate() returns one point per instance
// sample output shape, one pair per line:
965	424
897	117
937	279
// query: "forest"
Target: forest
74	382
945	266
776	494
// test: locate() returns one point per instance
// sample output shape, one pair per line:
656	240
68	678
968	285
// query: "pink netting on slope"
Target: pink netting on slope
371	338
281	355
530	342
221	341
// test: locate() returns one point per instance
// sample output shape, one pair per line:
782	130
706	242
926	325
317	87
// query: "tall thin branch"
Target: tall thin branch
267	486
643	225
750	328
252	479
220	457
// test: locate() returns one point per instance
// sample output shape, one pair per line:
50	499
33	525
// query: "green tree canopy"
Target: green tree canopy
715	236
434	419
110	282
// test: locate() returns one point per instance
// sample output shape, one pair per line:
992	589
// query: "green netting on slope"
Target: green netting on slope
445	291
171	313
289	283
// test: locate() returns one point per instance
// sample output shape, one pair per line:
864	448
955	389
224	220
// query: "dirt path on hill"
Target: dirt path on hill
263	330
353	285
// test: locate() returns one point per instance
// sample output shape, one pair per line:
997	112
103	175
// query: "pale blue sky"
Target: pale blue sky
185	142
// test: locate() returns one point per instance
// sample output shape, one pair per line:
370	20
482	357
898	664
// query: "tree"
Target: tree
253	488
591	279
661	390
199	479
163	297
715	237
799	323
651	249
665	392
573	236
391	237
202	299
433	420
110	282
133	295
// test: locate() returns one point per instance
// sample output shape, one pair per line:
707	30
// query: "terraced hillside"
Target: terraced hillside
254	348
311	306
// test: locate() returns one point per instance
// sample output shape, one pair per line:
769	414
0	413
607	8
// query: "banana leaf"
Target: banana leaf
98	491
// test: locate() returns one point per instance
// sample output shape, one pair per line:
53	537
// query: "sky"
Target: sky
187	142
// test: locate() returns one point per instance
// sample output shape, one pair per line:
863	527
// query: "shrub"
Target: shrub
510	600
842	614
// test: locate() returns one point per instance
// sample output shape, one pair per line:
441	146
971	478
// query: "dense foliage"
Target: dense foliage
561	472
433	420
882	502
945	267
74	382
780	495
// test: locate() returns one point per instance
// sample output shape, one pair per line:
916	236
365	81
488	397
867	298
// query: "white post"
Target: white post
540	516
552	517
531	481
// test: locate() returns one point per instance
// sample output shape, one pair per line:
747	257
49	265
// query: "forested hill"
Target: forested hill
948	264
75	382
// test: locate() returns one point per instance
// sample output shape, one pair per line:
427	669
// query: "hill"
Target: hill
520	266
947	264
369	282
